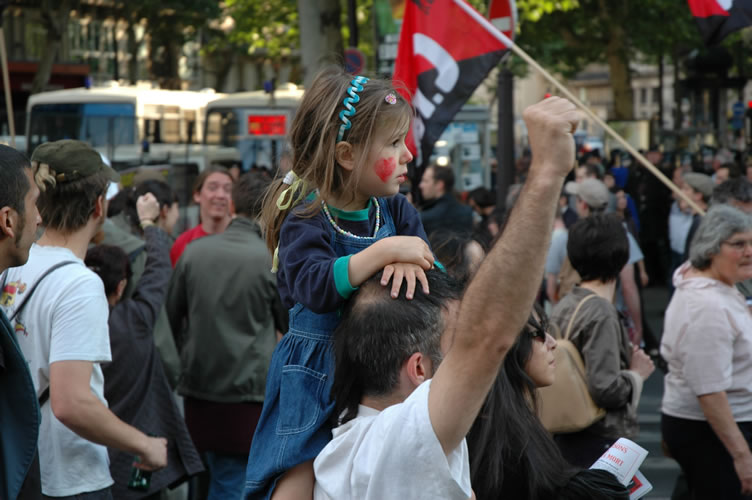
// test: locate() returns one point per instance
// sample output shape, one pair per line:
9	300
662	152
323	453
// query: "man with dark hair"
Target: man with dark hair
224	290
358	375
19	409
60	320
211	192
407	440
598	250
440	208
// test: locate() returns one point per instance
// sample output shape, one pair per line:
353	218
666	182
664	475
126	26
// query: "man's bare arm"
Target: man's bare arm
498	301
81	411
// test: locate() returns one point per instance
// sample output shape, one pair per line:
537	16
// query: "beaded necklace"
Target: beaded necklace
348	233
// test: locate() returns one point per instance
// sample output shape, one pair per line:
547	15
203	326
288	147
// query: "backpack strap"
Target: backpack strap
46	393
34	286
568	333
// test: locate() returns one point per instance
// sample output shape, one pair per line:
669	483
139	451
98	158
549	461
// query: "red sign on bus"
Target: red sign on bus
267	124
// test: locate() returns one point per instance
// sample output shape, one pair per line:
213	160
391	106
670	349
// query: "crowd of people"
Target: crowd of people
318	335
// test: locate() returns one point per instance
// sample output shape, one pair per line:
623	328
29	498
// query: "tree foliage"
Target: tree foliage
169	24
567	35
259	27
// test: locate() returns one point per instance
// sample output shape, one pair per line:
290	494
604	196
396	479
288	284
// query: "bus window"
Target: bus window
99	123
259	137
166	120
223	127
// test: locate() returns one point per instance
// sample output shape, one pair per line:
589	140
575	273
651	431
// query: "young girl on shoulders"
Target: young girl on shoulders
333	221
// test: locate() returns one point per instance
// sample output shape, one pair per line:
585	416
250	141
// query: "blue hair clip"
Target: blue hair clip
357	86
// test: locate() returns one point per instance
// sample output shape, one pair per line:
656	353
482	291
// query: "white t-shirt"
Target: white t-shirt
391	454
65	320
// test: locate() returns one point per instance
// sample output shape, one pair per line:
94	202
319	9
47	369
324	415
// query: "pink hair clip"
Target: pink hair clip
391	98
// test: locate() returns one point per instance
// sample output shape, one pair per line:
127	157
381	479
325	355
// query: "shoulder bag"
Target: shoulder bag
566	405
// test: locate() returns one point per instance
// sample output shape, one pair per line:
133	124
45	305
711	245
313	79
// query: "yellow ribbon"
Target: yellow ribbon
287	197
275	260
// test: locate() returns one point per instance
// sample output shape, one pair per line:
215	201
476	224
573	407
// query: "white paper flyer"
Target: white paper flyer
623	460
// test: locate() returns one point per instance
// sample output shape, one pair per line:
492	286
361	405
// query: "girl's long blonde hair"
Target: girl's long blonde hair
313	137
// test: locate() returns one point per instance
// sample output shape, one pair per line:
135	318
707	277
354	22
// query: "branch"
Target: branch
571	39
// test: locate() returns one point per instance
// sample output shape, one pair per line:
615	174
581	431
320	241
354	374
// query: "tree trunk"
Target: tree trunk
320	35
55	22
222	60
133	46
163	57
621	77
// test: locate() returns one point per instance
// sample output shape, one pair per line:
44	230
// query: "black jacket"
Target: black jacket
447	213
135	384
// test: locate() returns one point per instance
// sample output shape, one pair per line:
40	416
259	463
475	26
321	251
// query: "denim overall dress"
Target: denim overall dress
295	422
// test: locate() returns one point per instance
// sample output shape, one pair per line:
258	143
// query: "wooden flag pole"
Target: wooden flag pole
517	50
6	86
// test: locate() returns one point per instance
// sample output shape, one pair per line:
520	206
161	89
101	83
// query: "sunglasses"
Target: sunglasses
538	330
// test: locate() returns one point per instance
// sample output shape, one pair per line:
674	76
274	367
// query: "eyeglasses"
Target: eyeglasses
738	245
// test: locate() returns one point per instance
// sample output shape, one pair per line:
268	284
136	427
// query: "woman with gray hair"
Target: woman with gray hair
707	342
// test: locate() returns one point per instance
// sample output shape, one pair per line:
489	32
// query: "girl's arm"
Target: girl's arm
392	250
318	278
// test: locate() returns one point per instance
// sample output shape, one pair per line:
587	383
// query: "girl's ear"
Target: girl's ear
345	155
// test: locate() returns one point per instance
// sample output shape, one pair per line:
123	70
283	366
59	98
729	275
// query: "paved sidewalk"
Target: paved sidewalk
659	470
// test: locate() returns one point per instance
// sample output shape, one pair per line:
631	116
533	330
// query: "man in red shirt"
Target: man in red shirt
212	192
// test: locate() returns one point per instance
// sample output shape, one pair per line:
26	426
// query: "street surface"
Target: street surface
659	470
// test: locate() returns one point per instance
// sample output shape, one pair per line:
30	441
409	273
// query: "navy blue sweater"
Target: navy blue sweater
306	255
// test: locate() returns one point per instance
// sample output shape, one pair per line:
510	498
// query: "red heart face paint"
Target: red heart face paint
385	168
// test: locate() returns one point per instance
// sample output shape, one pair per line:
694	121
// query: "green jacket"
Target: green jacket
224	298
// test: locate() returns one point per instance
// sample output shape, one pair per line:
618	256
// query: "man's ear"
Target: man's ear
418	368
196	198
100	207
8	222
345	156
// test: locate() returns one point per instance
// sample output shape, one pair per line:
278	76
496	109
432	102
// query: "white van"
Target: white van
255	123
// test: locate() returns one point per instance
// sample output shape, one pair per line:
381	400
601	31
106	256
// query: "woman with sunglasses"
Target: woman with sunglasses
511	454
707	342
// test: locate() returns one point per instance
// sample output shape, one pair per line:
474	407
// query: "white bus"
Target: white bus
255	123
124	123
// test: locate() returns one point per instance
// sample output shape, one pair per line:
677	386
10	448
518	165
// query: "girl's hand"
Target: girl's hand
409	250
401	271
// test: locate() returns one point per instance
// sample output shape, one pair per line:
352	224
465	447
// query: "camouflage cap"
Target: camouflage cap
72	160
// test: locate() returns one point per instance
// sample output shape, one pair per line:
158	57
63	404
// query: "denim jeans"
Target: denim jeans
226	475
105	494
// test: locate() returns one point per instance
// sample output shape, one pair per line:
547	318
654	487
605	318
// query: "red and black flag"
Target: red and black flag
446	50
719	18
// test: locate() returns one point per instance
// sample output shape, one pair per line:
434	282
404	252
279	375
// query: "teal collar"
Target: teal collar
355	215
